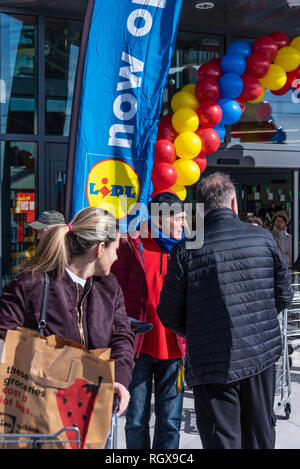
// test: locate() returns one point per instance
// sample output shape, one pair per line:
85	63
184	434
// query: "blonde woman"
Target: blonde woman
85	303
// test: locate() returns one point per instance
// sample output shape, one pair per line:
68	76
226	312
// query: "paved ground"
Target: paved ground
287	430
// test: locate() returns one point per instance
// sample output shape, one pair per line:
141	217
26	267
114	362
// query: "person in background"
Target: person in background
159	354
254	220
45	221
283	239
224	298
85	302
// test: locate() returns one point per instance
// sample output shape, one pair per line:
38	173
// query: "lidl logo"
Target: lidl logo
113	185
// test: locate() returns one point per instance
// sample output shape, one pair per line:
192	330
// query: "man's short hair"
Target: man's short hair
215	191
254	220
170	199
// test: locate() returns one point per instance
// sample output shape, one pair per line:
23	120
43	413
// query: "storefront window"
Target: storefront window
273	120
61	55
192	50
18	74
18	205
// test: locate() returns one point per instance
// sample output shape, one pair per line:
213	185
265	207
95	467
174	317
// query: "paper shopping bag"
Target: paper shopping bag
49	383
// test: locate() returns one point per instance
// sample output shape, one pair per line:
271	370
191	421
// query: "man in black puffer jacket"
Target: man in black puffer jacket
224	298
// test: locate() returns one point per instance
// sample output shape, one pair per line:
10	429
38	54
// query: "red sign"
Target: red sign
26	204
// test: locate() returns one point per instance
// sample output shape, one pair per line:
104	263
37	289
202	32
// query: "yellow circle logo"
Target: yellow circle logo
113	185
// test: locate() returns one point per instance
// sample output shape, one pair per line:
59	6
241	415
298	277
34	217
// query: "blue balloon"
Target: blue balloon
220	129
231	85
231	111
233	63
240	47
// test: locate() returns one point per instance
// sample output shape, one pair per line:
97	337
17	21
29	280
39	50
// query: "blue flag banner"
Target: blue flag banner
127	58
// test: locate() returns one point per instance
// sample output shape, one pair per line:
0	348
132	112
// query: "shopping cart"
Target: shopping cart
283	389
112	438
39	441
53	441
290	328
293	327
138	327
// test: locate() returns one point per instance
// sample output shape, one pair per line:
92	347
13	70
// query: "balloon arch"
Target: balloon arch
224	86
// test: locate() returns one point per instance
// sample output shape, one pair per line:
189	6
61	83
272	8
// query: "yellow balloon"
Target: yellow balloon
275	78
187	145
179	190
296	43
188	172
185	120
189	88
260	97
184	99
288	58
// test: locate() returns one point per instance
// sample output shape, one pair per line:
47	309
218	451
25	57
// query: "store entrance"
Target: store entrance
24	196
261	192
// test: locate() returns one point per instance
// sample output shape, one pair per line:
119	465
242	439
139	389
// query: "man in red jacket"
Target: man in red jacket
141	269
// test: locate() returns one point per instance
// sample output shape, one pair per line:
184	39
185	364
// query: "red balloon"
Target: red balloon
209	113
282	90
252	88
280	38
166	131
292	76
201	162
241	103
207	90
257	65
166	119
164	152
164	175
216	60
209	70
265	45
210	140
264	111
268	130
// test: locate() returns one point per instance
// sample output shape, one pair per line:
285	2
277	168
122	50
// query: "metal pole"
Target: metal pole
295	214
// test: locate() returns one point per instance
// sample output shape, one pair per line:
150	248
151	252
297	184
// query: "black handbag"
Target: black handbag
42	322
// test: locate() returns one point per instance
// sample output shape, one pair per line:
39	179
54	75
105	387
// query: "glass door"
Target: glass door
18	205
56	171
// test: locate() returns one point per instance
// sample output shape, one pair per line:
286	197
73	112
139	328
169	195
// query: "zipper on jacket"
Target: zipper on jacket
80	312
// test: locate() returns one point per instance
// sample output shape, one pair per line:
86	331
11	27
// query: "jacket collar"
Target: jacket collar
218	214
279	233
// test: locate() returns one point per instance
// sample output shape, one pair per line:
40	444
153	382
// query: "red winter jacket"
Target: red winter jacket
130	272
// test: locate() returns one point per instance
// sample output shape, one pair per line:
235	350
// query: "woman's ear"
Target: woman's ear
100	249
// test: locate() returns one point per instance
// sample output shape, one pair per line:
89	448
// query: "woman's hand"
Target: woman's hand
124	397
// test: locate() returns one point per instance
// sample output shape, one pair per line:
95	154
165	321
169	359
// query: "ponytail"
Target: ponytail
64	242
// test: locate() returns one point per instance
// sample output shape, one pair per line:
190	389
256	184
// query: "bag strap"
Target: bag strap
42	322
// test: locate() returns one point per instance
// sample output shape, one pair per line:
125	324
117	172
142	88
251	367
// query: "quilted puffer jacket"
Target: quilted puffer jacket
225	298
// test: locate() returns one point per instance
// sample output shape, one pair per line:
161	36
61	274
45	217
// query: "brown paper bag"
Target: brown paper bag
48	383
